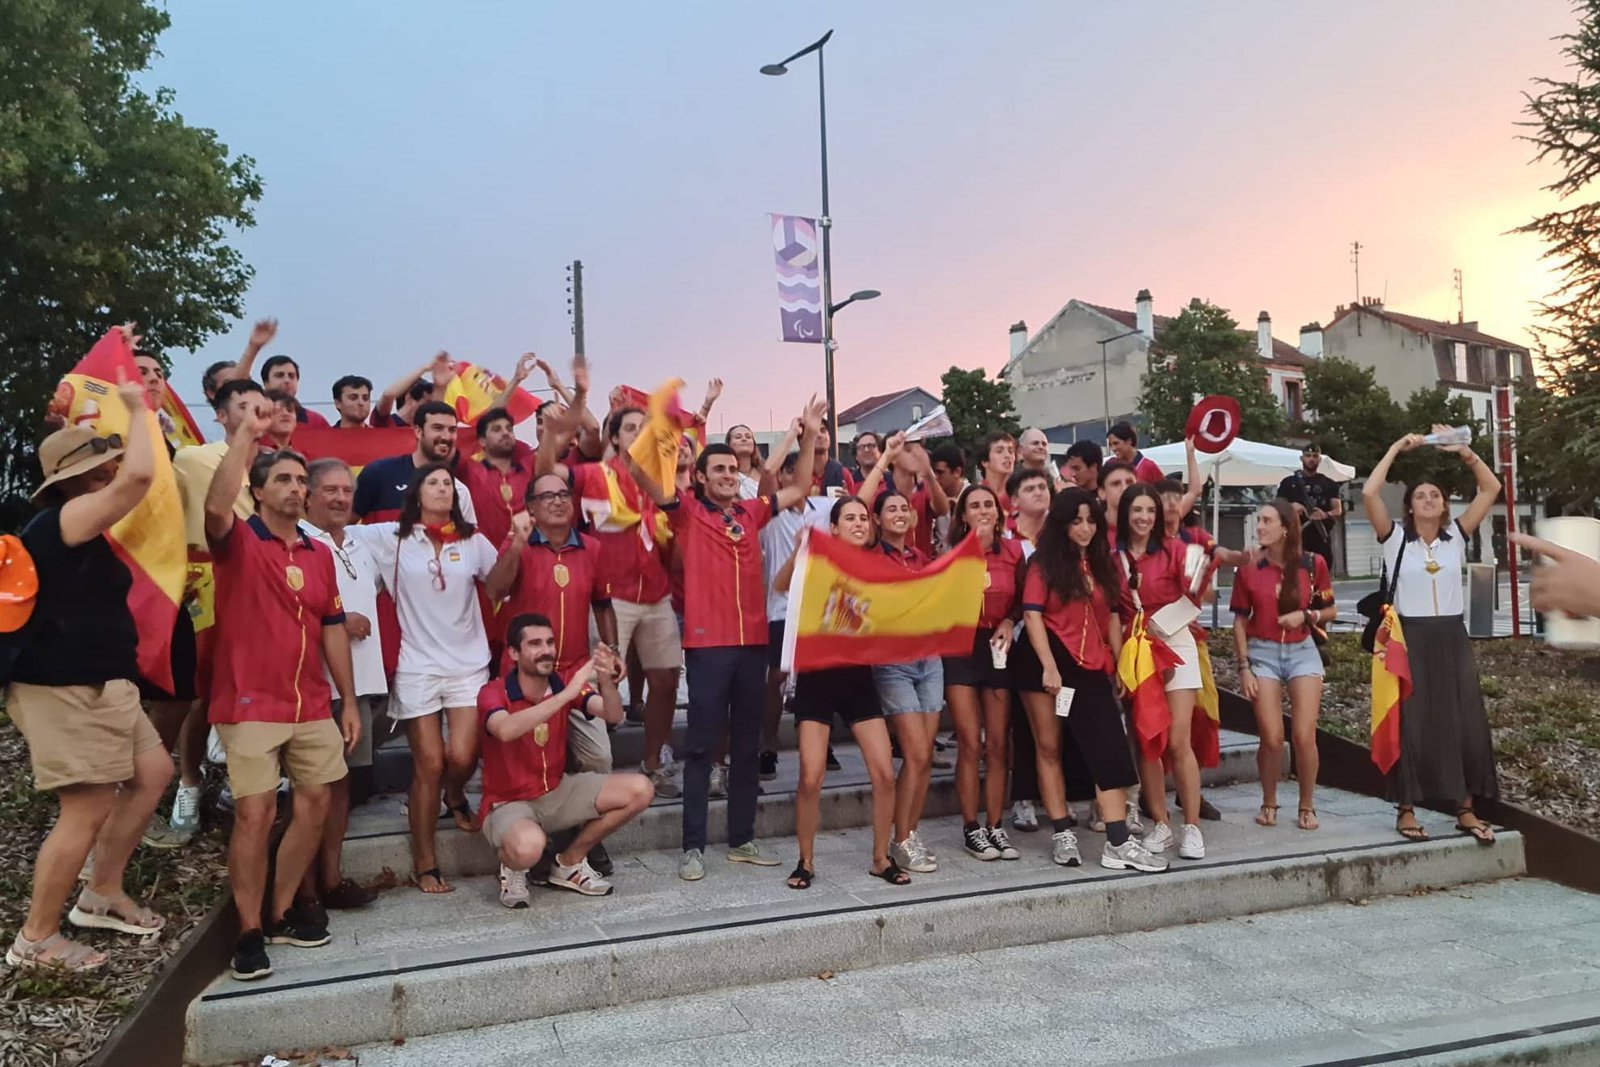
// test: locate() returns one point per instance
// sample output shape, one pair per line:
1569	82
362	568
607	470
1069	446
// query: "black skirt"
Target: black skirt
976	669
1023	666
1446	748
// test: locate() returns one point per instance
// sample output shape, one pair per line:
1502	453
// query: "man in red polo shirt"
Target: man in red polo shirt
497	478
279	620
725	634
528	794
1123	442
997	458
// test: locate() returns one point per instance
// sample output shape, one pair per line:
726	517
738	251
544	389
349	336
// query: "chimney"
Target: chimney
1264	335
1144	316
1019	338
1311	340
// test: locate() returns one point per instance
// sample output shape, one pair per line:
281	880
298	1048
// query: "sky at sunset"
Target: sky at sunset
430	168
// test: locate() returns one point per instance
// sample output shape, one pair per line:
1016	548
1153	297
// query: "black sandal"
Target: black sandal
892	874
800	878
462	813
438	877
1481	833
1410	833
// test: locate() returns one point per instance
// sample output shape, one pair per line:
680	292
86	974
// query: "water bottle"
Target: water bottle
1456	435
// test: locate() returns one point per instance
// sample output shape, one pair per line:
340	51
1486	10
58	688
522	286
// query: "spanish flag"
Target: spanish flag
849	607
150	538
473	391
177	423
655	450
1205	736
1144	658
1391	685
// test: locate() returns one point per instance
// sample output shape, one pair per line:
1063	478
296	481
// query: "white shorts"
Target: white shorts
1187	674
414	695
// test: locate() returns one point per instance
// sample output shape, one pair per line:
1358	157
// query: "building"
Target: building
1408	353
1084	370
886	412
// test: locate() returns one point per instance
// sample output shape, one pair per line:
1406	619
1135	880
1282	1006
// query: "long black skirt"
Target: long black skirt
1446	749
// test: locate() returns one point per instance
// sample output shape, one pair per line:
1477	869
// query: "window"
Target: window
916	412
1444	361
1458	352
1293	399
1477	372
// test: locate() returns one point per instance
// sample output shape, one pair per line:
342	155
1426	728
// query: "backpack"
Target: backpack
19	592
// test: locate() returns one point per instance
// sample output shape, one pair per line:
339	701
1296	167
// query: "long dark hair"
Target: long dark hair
958	517
411	507
1059	558
1293	560
1409	523
1125	530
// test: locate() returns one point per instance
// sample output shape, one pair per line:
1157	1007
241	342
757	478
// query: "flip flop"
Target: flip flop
438	878
1410	833
892	874
1268	815
466	822
1309	815
1479	832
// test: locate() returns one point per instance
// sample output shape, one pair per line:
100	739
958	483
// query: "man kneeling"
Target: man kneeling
526	795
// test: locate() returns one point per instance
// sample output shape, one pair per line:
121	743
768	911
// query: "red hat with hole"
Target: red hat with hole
1213	424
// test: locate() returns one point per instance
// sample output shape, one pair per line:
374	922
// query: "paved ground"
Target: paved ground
1309	986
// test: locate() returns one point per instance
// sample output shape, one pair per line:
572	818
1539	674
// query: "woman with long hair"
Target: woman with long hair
1446	749
981	712
911	695
1154	566
849	693
432	561
1277	602
1068	603
742	440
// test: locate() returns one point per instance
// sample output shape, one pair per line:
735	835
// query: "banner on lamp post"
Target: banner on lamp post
796	254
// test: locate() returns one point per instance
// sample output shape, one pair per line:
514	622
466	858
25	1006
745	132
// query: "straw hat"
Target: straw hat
70	452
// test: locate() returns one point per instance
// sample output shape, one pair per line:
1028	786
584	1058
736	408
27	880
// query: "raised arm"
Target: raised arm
1488	485
938	500
503	575
1372	492
810	426
605	680
590	443
892	450
83	518
397	390
768	482
555	437
525	365
261	336
233	470
1191	490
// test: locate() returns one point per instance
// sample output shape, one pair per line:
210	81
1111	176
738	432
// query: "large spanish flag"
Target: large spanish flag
473	391
150	538
655	450
1391	685
849	607
1144	658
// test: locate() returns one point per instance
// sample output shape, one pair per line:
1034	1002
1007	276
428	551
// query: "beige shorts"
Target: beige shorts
588	744
309	753
651	629
573	802
81	734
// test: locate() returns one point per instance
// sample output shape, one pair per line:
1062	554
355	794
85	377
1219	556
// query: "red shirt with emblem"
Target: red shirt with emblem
562	583
631	563
497	495
273	599
1255	596
1146	469
1002	583
725	599
527	767
1161	578
1083	626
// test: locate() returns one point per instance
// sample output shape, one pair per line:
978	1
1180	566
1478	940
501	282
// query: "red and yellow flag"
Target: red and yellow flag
849	607
1391	686
655	450
1205	736
1144	658
150	538
473	391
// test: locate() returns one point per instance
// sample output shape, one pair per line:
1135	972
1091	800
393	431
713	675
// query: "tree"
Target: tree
1200	353
1352	417
977	407
1425	409
1564	130
111	208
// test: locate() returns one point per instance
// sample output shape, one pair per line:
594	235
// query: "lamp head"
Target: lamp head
774	69
865	294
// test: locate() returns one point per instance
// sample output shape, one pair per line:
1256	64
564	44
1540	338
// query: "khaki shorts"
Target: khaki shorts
652	630
310	753
588	744
571	803
81	734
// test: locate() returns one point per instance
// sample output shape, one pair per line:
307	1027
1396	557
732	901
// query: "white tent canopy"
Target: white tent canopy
1246	463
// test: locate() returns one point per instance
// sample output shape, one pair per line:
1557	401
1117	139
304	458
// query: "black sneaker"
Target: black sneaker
833	761
298	929
250	957
600	860
769	767
348	894
1208	811
310	912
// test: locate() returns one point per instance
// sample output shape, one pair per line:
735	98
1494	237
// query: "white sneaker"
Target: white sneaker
580	878
1097	825
912	856
1002	842
1023	817
1135	820
1064	849
663	780
186	810
692	867
1192	846
159	835
927	849
1131	855
513	888
1159	839
719	781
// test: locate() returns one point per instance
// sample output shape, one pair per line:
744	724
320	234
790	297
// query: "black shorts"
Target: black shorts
183	660
1095	726
977	669
774	644
847	692
1025	672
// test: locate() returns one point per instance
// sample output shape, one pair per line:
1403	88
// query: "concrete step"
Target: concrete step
1489	973
378	838
413	965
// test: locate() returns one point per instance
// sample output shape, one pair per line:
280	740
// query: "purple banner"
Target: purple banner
795	250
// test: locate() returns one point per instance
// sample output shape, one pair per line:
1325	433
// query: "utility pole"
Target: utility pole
1461	303
1355	257
575	305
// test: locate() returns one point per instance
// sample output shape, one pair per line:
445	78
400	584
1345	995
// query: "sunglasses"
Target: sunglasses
349	568
97	446
436	573
734	528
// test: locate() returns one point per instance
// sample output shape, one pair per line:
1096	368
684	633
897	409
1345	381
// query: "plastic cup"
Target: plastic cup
1064	701
998	653
1582	535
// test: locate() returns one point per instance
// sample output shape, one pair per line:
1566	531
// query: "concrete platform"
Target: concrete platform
378	839
414	965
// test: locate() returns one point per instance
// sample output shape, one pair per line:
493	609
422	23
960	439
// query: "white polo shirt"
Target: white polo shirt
777	544
357	570
441	630
1416	590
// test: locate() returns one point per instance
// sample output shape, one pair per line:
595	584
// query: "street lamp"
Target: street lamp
826	223
1105	381
859	294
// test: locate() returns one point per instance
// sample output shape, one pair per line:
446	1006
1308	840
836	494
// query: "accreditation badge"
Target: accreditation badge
295	577
561	575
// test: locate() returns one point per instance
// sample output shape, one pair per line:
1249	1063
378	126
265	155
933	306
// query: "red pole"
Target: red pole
1505	434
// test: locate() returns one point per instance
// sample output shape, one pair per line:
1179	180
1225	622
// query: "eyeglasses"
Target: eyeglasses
97	446
349	568
436	573
554	495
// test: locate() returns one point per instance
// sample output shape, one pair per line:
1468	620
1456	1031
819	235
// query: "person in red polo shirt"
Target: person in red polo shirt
1123	441
528	793
725	634
280	620
497	478
905	468
997	458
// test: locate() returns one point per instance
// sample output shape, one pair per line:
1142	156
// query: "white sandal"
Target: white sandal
67	955
95	912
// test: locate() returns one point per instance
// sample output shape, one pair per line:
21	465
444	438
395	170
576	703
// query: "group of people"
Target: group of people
490	605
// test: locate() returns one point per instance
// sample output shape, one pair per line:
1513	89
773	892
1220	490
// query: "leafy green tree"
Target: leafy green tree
112	208
1200	353
1425	409
977	407
1351	416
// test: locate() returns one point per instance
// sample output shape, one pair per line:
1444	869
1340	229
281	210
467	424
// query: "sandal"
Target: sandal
800	877
1308	819
1268	815
892	874
438	878
95	912
466	822
1410	833
54	953
1478	831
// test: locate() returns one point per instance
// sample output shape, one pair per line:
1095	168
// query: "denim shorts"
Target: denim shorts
909	687
1280	663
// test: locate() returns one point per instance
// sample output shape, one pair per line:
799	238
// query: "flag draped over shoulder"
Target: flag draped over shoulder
849	607
473	391
1391	685
150	538
655	450
184	430
1205	736
1144	658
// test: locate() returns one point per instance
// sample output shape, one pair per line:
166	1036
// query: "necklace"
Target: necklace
1432	566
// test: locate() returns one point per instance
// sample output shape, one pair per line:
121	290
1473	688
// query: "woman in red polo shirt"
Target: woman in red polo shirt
1068	598
1277	602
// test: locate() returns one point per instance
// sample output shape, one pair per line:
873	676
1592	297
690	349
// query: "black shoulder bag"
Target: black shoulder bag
1371	606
